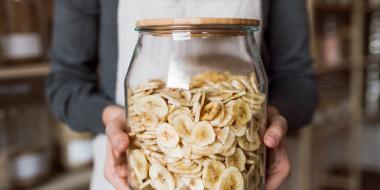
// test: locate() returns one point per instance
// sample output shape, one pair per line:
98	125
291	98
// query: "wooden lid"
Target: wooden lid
157	23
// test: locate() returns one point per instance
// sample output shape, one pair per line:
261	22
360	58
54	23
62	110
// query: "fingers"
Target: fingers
111	173
118	144
117	136
278	168
121	165
276	130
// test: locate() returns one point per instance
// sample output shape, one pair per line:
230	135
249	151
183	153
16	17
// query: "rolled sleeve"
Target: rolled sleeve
72	86
292	87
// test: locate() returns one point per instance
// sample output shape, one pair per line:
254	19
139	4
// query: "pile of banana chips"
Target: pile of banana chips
206	137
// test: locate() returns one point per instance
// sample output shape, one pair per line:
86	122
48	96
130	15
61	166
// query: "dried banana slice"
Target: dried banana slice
186	152
214	94
242	112
229	151
231	179
197	107
151	103
212	171
246	145
150	85
171	160
149	119
216	157
196	175
153	148
134	118
254	82
238	130
153	160
253	176
187	167
245	82
252	135
149	142
229	114
174	97
198	102
207	78
146	185
214	148
158	157
235	96
187	95
222	134
177	112
133	181
139	164
195	184
137	128
172	152
183	124
237	85
252	158
178	182
211	110
229	146
161	178
146	136
136	96
202	134
238	160
167	135
219	117
255	99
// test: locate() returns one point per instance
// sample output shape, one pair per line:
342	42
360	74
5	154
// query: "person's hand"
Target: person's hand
115	169
278	167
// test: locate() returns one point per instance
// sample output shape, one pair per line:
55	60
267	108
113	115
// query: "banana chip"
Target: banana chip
205	137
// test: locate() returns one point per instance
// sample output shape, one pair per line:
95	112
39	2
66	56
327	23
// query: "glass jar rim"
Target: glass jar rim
242	24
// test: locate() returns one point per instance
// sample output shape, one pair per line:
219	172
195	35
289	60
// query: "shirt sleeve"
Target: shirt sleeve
292	87
71	87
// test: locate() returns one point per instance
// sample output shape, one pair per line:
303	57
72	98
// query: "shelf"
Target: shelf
335	181
69	181
373	59
323	70
329	129
24	71
334	8
371	9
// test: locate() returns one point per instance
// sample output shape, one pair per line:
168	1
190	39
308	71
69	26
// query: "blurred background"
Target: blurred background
338	150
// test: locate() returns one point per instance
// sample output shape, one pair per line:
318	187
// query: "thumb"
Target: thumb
276	130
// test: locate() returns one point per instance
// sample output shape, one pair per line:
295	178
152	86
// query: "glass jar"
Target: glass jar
76	148
21	36
196	94
30	156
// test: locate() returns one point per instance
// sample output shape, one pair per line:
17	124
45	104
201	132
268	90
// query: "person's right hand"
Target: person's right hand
115	169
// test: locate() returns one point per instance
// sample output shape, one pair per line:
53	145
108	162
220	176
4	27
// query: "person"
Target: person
93	40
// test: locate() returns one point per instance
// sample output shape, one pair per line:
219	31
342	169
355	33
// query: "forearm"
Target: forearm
76	102
292	86
295	99
71	88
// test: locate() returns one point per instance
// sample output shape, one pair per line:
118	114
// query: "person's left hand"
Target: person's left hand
278	168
